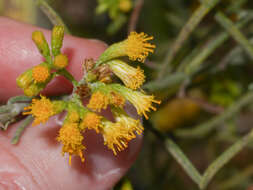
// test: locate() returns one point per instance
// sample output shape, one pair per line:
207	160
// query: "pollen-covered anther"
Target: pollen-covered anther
98	101
40	73
41	109
71	138
91	121
137	46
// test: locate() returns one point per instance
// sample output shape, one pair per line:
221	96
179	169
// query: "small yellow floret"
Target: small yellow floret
91	121
142	102
40	73
71	138
41	109
137	47
61	61
132	77
98	101
116	136
131	125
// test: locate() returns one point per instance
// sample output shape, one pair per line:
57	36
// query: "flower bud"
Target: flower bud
57	38
41	43
33	90
25	79
61	61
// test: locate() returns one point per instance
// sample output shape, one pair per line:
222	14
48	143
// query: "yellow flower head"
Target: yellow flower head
40	73
133	78
71	138
91	121
131	125
115	135
98	101
117	100
137	46
61	61
41	109
141	101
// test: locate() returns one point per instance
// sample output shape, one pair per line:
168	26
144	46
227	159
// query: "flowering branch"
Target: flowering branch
96	83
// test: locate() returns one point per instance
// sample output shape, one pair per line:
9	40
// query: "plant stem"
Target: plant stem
19	99
52	15
177	154
68	75
168	81
235	33
182	160
135	15
224	159
191	24
203	129
28	120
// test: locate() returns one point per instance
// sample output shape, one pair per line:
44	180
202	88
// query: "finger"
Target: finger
18	53
36	162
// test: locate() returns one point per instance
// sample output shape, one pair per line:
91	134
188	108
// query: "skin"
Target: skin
36	161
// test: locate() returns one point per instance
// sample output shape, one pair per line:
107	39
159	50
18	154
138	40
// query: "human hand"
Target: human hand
36	161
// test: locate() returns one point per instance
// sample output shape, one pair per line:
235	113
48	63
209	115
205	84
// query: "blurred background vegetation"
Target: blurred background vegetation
201	70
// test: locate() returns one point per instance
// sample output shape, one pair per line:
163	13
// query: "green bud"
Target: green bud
41	43
57	38
33	90
25	79
90	77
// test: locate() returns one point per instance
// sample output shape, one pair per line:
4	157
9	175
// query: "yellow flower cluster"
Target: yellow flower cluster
103	93
41	110
91	121
71	138
35	79
40	73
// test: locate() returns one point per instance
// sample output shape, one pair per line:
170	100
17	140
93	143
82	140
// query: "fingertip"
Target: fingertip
39	154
